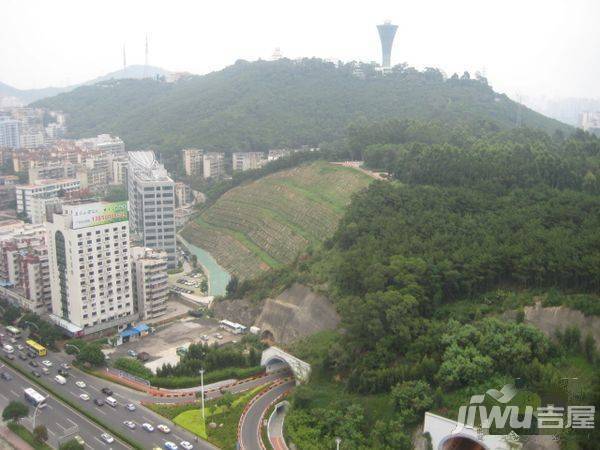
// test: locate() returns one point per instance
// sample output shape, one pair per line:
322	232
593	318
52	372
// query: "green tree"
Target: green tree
15	410
589	348
91	354
40	433
412	399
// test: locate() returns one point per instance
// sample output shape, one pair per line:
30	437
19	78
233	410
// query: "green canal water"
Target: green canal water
217	276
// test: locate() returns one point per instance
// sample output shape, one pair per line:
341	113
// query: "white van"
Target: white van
60	379
111	401
8	348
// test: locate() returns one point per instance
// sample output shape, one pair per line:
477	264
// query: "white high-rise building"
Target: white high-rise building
192	161
152	203
90	273
150	281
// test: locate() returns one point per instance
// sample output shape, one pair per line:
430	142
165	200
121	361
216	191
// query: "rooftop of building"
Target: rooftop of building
47	182
145	166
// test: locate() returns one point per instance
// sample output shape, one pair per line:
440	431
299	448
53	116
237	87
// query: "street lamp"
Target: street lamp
34	416
337	443
202	392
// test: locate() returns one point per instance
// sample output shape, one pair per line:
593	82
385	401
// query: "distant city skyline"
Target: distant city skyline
536	48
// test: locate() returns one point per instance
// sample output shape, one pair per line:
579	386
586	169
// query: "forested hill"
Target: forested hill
282	103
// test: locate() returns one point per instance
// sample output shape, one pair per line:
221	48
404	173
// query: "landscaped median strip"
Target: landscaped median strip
73	405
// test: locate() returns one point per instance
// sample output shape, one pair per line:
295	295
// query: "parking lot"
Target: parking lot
162	345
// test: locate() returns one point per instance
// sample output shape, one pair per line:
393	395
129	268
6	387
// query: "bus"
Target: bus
13	331
34	397
39	349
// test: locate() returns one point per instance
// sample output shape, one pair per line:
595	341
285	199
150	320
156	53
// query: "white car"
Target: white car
146	426
107	438
20	346
165	429
47	363
80	384
130	406
84	397
186	445
129	424
170	445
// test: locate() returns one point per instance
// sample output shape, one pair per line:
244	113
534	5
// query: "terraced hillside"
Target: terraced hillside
266	223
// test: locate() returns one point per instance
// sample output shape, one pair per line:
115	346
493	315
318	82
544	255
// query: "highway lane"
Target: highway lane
251	421
62	422
113	417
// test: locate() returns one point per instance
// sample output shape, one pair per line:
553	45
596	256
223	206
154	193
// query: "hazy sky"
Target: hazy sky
532	47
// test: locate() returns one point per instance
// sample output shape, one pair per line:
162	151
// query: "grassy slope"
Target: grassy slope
266	223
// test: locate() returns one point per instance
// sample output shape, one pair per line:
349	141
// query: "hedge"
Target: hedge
27	436
209	377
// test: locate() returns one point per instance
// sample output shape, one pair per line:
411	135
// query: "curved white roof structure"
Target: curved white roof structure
147	167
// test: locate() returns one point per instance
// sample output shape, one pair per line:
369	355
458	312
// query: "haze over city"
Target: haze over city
534	48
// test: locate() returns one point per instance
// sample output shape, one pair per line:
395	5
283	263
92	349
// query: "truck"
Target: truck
60	379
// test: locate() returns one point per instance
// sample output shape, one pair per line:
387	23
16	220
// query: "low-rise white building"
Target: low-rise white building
42	188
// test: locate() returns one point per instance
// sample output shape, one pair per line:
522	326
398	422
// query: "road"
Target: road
62	422
249	434
113	417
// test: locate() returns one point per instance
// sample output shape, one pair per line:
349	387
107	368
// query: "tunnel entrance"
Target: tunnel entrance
267	337
461	443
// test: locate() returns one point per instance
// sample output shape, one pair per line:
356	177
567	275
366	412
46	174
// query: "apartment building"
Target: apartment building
241	162
112	145
24	266
276	154
151	195
10	133
32	139
52	170
150	281
119	171
213	165
90	274
192	161
42	188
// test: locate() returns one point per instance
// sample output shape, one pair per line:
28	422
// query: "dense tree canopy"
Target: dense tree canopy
470	210
274	104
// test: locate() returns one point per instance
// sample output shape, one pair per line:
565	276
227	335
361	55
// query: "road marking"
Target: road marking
3	396
60	426
146	419
14	393
102	442
70	421
50	406
100	411
73	393
50	431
